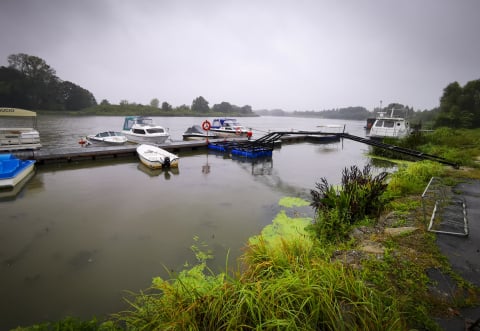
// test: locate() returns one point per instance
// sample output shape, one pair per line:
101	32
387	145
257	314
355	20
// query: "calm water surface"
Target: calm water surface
78	235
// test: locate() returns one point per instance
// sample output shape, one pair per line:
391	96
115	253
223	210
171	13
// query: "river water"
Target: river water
81	234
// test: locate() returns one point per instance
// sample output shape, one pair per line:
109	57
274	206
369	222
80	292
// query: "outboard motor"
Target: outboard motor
166	163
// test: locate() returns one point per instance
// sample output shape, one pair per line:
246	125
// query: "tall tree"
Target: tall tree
12	88
200	105
166	106
76	98
154	103
29	82
32	67
223	107
460	107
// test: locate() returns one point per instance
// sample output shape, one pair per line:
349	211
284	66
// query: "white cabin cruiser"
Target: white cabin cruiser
18	129
141	129
389	126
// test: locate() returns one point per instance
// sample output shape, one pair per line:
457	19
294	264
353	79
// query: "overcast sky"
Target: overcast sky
292	55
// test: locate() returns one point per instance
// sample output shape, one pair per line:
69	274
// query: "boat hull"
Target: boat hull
228	134
107	138
111	141
25	169
199	136
146	139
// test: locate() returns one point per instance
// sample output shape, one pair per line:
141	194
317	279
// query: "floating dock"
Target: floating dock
94	152
241	146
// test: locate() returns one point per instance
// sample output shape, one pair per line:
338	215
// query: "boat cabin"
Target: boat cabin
141	125
225	123
18	129
396	127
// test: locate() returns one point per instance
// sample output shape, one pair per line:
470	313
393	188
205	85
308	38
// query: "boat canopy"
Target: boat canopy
131	120
16	112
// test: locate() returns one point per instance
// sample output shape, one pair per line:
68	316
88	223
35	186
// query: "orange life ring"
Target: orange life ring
206	125
238	131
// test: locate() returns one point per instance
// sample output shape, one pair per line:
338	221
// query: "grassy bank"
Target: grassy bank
362	263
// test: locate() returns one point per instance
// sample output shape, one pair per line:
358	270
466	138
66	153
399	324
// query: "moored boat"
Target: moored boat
229	127
156	158
196	132
13	170
108	138
389	126
18	129
142	129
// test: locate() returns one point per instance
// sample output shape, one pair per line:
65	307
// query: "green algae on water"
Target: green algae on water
290	202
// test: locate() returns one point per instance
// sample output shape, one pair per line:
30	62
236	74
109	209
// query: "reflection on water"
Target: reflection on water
79	234
167	173
12	193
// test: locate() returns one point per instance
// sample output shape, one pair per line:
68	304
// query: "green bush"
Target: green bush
360	196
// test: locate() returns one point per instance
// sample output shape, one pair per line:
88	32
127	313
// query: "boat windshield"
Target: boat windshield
155	130
145	121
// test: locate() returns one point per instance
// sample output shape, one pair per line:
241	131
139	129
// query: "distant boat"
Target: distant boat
18	129
13	170
389	126
141	129
156	158
108	138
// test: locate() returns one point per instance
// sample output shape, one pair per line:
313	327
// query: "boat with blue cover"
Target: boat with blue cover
13	170
229	127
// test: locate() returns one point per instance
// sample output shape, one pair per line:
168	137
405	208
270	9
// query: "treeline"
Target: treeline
459	108
29	82
349	113
199	107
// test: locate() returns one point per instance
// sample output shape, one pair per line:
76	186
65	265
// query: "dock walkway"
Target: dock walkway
92	152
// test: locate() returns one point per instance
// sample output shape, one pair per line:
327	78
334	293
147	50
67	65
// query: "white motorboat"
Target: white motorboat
108	138
13	170
157	158
229	127
141	129
18	129
389	126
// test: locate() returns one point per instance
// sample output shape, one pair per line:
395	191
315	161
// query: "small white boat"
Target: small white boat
389	126
196	132
13	170
229	127
142	130
18	129
156	158
108	138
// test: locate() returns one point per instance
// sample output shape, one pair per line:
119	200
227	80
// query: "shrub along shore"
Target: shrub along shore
361	264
